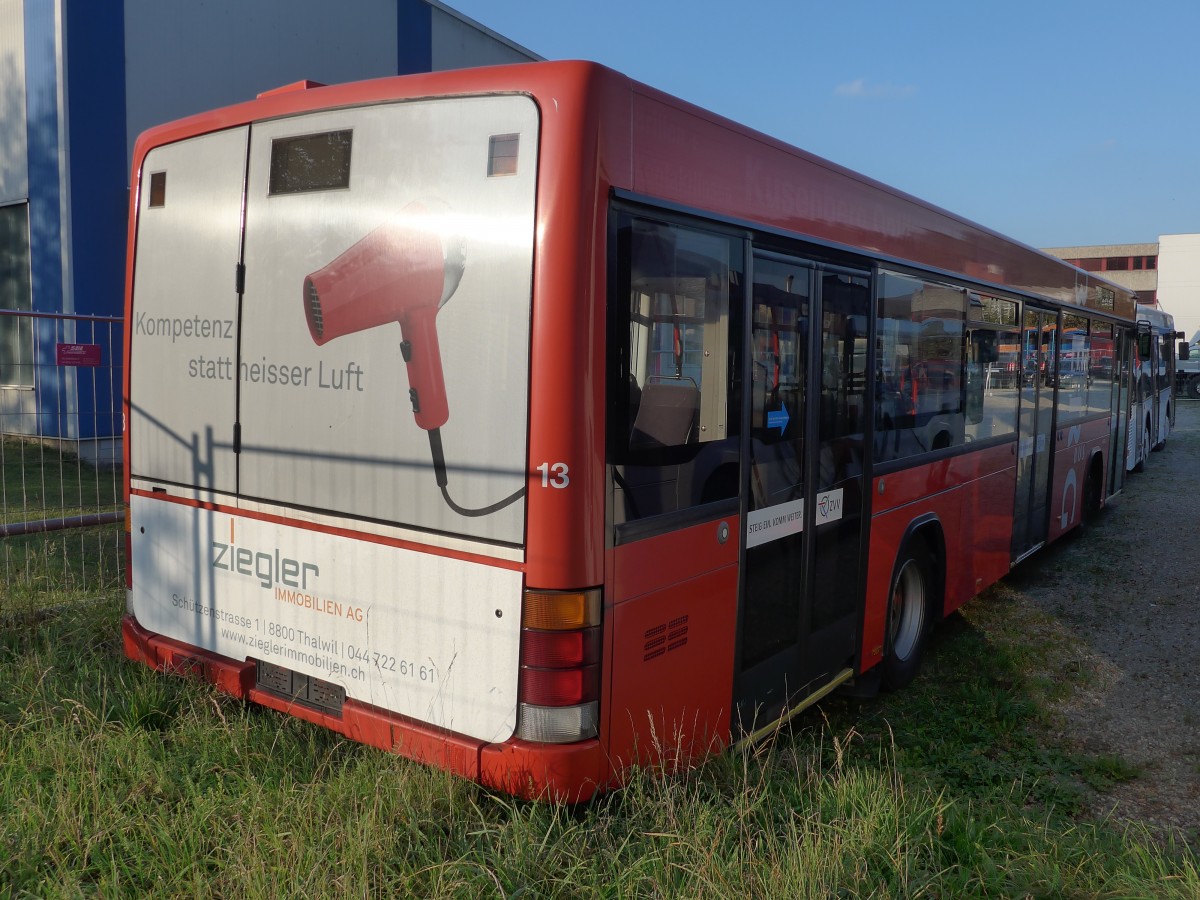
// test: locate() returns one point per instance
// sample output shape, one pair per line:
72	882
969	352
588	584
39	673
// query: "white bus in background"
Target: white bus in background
1187	368
1153	412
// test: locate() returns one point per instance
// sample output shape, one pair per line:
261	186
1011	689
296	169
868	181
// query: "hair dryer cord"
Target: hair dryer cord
439	468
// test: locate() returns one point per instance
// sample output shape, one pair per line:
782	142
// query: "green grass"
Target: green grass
117	781
38	482
45	570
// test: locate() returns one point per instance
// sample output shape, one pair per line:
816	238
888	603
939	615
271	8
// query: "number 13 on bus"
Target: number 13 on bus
538	425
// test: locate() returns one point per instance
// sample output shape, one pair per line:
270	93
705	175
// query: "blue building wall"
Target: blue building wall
98	201
53	389
414	37
74	120
43	143
95	73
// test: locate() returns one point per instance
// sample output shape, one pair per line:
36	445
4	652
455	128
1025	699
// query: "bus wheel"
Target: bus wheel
1193	387
908	618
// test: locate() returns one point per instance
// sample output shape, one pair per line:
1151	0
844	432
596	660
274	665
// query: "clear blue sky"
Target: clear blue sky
1058	122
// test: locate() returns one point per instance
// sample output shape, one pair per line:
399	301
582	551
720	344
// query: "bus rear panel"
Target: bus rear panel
330	318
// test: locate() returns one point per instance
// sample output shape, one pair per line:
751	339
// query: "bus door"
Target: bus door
184	319
1127	395
1036	423
1119	417
801	560
371	307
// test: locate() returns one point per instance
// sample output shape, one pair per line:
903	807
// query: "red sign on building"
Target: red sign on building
77	354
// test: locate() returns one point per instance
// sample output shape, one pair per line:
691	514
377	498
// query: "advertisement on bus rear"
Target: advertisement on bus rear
426	636
343	298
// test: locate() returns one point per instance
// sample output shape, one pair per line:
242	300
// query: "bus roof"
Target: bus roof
667	150
1158	319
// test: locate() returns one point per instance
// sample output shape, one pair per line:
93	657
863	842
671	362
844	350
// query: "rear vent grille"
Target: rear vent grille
664	638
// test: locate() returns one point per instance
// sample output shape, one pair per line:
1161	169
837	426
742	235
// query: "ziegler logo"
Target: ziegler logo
269	569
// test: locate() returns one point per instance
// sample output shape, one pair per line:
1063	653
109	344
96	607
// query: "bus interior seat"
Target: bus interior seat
666	416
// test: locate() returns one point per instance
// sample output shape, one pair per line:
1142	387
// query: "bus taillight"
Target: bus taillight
560	666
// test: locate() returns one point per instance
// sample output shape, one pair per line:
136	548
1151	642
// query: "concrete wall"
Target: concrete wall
184	58
458	42
1142	280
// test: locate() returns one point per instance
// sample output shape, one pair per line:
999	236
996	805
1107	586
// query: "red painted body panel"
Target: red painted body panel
692	157
1075	446
674	624
570	772
971	498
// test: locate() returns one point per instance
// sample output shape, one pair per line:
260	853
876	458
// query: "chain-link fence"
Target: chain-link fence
61	537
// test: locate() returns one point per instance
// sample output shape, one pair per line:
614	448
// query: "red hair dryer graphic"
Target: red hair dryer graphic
400	272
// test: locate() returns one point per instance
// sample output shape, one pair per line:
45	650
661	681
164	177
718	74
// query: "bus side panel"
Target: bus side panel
673	639
971	499
1073	449
565	539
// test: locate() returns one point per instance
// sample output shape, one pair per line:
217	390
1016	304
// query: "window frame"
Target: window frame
721	413
22	335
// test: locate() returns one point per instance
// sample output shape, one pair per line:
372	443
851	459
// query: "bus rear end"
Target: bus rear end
328	367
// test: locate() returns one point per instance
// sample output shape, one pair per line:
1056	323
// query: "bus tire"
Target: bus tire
908	619
1193	387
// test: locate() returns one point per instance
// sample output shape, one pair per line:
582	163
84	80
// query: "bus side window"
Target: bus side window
1073	368
993	382
1101	368
672	409
678	324
919	377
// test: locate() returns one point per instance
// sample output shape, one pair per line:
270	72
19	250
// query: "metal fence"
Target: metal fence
61	537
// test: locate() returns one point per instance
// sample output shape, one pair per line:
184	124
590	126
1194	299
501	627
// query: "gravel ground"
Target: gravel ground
1123	598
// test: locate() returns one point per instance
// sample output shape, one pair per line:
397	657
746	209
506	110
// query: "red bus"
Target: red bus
535	424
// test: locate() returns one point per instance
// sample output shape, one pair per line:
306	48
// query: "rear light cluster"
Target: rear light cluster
559	691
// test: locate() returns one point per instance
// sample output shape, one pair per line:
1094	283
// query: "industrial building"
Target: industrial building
81	79
1165	273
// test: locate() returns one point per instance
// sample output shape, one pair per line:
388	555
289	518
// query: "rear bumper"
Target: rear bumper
572	772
